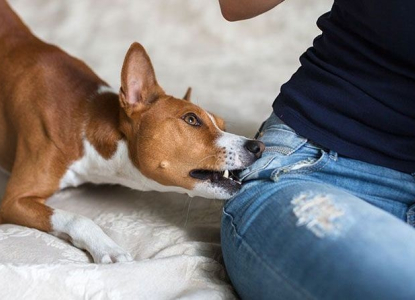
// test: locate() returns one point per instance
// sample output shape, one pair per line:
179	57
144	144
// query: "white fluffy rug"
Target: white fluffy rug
235	69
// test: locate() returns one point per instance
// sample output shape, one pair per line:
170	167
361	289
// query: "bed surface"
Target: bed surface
174	240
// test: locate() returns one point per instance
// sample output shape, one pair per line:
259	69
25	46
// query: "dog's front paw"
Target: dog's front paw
85	234
111	255
106	251
114	258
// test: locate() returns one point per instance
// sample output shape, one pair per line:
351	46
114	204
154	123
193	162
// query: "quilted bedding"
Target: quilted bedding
174	240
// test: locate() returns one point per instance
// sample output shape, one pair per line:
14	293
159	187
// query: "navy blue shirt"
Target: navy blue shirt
355	90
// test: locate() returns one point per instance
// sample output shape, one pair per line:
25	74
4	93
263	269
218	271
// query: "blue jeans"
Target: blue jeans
311	224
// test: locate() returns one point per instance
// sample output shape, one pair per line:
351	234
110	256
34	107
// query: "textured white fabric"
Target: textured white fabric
174	241
235	69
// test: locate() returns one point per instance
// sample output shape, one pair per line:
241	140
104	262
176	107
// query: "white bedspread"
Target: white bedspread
174	240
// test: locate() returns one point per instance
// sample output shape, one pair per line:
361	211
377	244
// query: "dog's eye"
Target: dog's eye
191	119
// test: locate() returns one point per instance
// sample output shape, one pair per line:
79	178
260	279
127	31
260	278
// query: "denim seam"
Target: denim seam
258	169
285	150
292	148
295	288
317	166
277	128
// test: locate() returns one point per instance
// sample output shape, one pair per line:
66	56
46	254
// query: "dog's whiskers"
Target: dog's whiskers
207	157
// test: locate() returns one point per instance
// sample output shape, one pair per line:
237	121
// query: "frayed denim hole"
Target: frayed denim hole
318	213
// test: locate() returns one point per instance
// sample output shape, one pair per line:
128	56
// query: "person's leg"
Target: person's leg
302	226
310	241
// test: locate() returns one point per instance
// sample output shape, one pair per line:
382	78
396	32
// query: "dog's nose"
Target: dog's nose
255	147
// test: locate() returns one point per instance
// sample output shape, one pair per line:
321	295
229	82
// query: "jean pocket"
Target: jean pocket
280	144
257	169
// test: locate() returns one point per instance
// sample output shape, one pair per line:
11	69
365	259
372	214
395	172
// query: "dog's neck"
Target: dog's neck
118	169
105	151
106	158
101	127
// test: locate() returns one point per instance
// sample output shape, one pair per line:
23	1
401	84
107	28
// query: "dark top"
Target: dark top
355	90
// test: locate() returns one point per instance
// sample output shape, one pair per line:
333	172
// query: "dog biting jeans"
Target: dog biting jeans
312	224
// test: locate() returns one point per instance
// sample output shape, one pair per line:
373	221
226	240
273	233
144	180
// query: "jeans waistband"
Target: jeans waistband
279	137
273	122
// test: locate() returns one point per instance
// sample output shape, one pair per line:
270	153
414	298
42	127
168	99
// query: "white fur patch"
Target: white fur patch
235	150
233	145
119	169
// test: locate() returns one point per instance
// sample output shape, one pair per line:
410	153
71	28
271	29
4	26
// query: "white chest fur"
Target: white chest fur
119	169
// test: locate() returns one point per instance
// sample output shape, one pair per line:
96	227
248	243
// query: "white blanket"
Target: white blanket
174	240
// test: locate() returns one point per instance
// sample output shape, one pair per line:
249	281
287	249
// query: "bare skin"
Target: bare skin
236	10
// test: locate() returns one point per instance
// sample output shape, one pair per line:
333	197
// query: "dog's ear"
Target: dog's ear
139	86
188	94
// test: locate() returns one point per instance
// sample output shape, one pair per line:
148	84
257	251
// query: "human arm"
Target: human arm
236	10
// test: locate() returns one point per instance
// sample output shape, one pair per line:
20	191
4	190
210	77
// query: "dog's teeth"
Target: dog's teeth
226	174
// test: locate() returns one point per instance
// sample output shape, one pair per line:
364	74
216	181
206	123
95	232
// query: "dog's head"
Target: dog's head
174	142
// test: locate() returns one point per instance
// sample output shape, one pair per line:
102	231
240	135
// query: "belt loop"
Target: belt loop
333	155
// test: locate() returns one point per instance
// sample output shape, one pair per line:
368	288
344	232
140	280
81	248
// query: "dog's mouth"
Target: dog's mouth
227	178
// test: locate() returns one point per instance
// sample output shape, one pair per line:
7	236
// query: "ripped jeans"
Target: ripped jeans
311	224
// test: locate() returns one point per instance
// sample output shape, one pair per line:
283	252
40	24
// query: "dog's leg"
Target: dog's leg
81	231
85	234
29	186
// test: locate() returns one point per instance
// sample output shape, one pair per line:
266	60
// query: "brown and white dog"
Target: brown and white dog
62	126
